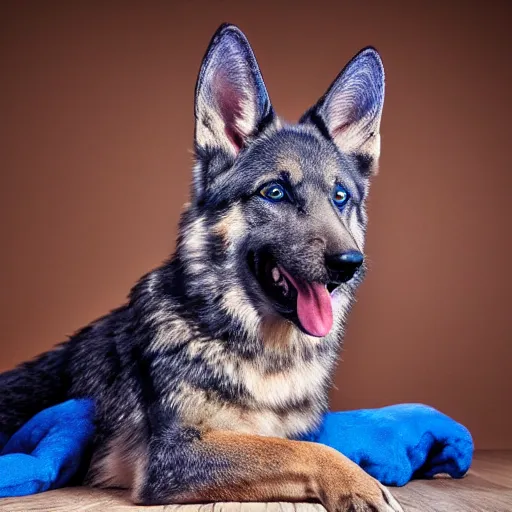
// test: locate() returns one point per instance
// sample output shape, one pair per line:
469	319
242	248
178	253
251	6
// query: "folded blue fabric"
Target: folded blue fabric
46	452
398	443
394	444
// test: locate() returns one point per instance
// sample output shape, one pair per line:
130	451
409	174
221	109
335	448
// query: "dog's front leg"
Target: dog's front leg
187	466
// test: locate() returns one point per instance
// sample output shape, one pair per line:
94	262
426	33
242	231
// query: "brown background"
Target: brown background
96	109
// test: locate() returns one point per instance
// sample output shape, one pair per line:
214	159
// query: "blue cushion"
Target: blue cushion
47	450
398	443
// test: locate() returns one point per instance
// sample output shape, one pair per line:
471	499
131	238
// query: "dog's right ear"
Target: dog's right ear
231	103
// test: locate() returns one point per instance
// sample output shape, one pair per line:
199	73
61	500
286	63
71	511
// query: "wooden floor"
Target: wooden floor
487	488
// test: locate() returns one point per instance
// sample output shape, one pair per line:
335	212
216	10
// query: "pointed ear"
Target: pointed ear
350	111
231	103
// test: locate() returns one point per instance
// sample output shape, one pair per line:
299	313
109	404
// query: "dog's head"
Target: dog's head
278	209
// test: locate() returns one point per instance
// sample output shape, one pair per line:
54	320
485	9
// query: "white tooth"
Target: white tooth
276	274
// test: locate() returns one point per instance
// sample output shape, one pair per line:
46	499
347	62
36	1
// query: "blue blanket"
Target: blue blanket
394	444
398	443
47	451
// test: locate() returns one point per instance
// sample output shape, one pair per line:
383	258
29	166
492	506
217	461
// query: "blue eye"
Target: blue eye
340	196
273	192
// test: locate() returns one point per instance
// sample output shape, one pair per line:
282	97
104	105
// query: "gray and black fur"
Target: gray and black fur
199	346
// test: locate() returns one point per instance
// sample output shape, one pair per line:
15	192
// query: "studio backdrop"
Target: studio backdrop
96	120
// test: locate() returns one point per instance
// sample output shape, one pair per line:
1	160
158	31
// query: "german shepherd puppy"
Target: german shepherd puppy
224	354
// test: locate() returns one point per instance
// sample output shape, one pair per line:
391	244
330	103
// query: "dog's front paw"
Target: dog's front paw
371	497
345	487
390	501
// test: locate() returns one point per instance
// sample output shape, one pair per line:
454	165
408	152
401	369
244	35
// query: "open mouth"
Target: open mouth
307	304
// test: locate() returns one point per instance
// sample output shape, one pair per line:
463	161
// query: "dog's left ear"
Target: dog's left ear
231	102
350	111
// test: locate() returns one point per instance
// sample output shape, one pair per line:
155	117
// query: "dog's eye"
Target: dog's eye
340	196
273	192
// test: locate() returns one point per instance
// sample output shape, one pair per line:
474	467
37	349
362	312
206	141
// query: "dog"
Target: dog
223	356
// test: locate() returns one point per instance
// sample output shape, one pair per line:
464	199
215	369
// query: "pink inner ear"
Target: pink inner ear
229	101
339	129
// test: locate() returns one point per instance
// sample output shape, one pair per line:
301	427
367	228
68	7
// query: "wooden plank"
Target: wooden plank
80	499
487	488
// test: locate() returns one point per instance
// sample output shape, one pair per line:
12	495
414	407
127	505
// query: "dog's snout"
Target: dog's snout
344	265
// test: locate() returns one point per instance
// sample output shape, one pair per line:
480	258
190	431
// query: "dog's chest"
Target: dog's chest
280	403
285	389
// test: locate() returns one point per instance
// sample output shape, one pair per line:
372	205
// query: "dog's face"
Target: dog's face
285	203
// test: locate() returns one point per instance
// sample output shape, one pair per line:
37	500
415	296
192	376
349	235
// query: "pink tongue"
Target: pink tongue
314	307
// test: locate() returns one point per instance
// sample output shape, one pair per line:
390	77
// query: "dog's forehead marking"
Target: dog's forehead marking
290	163
299	153
306	156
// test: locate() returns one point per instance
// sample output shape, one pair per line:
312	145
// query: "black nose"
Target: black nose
344	265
